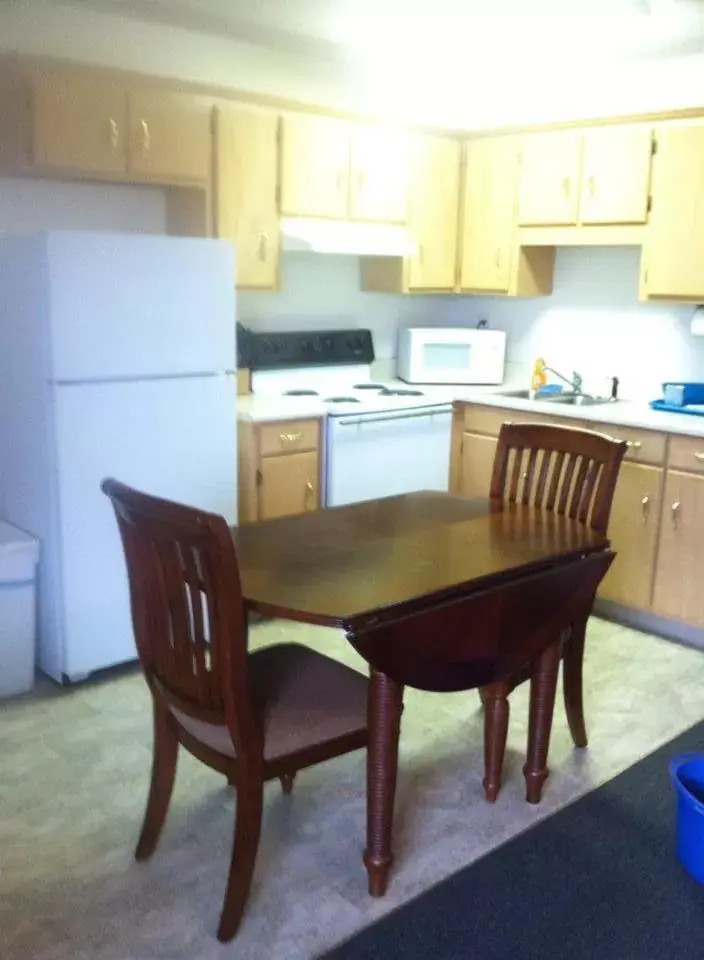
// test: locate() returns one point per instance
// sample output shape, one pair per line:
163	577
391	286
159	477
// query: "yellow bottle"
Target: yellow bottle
539	377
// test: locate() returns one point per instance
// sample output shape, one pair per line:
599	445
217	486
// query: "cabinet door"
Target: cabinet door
616	175
315	166
550	174
633	532
169	136
288	485
433	212
477	463
245	179
678	580
79	123
674	240
379	174
490	173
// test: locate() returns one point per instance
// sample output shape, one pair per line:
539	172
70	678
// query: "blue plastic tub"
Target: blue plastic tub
687	772
682	394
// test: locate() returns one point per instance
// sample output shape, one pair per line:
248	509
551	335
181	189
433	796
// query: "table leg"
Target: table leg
384	719
543	683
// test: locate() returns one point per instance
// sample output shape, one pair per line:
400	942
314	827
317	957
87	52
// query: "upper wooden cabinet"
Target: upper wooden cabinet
379	174
672	253
315	164
550	178
488	216
244	191
615	175
434	202
332	168
169	136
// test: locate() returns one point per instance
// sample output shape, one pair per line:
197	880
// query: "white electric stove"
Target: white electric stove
380	439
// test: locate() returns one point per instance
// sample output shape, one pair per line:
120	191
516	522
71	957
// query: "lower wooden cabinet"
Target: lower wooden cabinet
279	468
679	594
633	531
476	465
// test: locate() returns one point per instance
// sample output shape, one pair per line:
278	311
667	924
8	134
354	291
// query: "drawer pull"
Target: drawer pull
699	456
634	444
114	135
146	137
675	509
645	507
289	437
310	490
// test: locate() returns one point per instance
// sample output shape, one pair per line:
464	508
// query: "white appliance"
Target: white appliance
117	357
380	439
451	355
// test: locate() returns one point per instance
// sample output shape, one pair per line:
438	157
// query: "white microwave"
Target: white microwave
451	355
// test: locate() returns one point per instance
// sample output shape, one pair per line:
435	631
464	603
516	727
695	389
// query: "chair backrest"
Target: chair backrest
571	472
187	608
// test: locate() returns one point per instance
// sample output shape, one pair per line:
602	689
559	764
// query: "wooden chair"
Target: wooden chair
571	472
251	716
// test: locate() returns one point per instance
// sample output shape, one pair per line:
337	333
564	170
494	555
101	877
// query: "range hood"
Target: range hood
345	237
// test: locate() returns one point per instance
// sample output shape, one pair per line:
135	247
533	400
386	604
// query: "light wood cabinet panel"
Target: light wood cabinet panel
644	446
672	253
315	166
169	136
490	174
616	175
633	530
550	178
288	485
288	436
79	123
678	580
686	453
379	174
245	183
477	463
433	212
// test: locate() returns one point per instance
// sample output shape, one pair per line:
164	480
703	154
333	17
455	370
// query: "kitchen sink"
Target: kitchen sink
564	399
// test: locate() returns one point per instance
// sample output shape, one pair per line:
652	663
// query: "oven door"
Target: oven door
383	454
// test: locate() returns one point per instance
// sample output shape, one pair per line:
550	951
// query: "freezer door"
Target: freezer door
126	306
174	438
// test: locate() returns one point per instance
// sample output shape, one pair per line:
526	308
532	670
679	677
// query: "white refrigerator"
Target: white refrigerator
117	358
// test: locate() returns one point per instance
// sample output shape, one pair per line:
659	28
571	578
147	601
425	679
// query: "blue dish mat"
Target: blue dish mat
693	411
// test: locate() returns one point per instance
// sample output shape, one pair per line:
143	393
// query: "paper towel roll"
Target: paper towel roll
697	327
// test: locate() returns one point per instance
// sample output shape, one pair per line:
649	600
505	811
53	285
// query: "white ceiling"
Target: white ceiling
381	30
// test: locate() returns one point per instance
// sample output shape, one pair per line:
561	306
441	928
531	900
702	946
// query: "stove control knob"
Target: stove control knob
317	344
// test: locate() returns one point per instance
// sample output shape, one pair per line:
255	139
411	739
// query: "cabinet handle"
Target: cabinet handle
699	456
634	444
645	507
114	134
310	490
146	137
289	437
675	510
263	246
592	186
566	186
497	258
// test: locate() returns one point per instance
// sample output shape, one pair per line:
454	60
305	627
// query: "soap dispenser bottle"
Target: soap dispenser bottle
539	377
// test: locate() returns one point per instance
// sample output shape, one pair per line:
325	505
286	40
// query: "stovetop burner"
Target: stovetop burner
300	393
392	392
368	386
342	400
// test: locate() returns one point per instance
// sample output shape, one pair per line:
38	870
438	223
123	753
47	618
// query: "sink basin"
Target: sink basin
566	399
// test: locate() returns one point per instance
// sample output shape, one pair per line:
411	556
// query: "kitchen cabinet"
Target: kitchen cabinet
489	198
315	165
633	530
279	468
433	207
549	179
672	252
379	174
477	464
169	136
678	588
245	184
615	181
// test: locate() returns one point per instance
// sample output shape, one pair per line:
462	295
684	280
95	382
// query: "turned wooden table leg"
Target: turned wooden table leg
384	713
543	684
496	713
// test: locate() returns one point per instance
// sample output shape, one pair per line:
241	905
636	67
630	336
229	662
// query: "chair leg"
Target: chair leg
245	844
165	754
496	714
287	782
572	663
482	696
543	683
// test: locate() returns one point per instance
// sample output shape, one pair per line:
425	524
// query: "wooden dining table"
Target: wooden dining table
434	591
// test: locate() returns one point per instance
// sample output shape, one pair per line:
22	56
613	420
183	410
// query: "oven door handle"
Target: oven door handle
389	418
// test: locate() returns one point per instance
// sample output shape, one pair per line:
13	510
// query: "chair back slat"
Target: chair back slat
576	470
187	609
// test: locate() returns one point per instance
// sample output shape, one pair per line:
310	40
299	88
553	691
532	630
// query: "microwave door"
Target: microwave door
447	362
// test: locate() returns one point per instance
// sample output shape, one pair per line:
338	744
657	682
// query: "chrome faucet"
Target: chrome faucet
575	382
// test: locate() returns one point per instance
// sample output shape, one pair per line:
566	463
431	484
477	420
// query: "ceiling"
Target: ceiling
386	30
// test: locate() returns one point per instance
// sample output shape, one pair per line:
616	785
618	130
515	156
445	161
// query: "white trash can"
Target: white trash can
19	554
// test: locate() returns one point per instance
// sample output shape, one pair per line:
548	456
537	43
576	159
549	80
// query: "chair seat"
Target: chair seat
303	699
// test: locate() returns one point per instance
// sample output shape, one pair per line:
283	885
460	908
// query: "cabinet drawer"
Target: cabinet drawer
686	453
644	446
288	436
489	419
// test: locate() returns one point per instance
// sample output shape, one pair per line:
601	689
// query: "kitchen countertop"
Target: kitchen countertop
625	413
